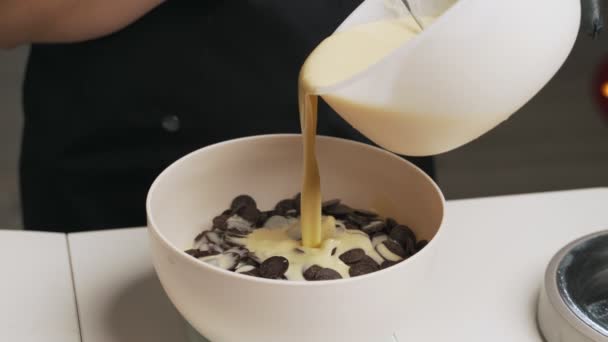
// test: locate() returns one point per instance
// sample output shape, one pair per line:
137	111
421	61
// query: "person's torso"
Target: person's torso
187	74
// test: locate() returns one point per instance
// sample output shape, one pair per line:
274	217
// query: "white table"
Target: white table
485	282
36	292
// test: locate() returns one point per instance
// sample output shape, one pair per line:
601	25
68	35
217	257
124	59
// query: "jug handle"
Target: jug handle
592	17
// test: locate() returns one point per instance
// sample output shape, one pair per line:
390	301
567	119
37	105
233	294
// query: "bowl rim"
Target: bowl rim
555	297
152	226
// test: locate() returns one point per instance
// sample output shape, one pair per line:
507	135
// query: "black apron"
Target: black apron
103	118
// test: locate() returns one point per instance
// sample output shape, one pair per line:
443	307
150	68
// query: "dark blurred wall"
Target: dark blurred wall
559	140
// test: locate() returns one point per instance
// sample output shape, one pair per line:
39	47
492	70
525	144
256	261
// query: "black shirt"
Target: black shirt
104	117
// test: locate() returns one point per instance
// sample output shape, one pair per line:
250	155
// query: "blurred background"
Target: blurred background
558	141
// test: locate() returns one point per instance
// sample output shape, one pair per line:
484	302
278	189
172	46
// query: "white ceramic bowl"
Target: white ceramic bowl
228	307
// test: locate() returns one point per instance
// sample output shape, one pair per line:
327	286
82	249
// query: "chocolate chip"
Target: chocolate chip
298	251
339	210
233	232
358	221
274	267
395	247
213	237
215	248
327	274
227	212
285	205
193	252
387	263
390	223
351	226
366	213
311	272
330	203
254	273
410	247
368	260
373	227
227	261
421	244
401	234
264	216
219	222
249	261
253	257
353	256
199	236
243	268
333	251
378	238
362	268
242	201
297	200
391	250
249	213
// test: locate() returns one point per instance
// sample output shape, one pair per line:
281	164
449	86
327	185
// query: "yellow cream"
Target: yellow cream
337	58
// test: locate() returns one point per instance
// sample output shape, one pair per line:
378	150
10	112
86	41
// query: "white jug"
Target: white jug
477	64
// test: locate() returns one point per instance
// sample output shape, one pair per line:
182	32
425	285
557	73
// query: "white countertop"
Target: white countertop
36	292
485	281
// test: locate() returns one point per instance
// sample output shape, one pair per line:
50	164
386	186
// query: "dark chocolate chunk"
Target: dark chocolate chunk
242	201
387	263
353	256
199	236
401	234
421	244
253	257
299	251
254	273
368	260
362	268
330	203
327	274
373	227
193	252
358	221
227	212
213	237
410	247
366	213
297	201
391	250
292	213
284	206
339	210
333	251
250	261
311	272
235	258
215	248
219	222
390	223
350	225
233	232
378	238
264	215
249	213
274	267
